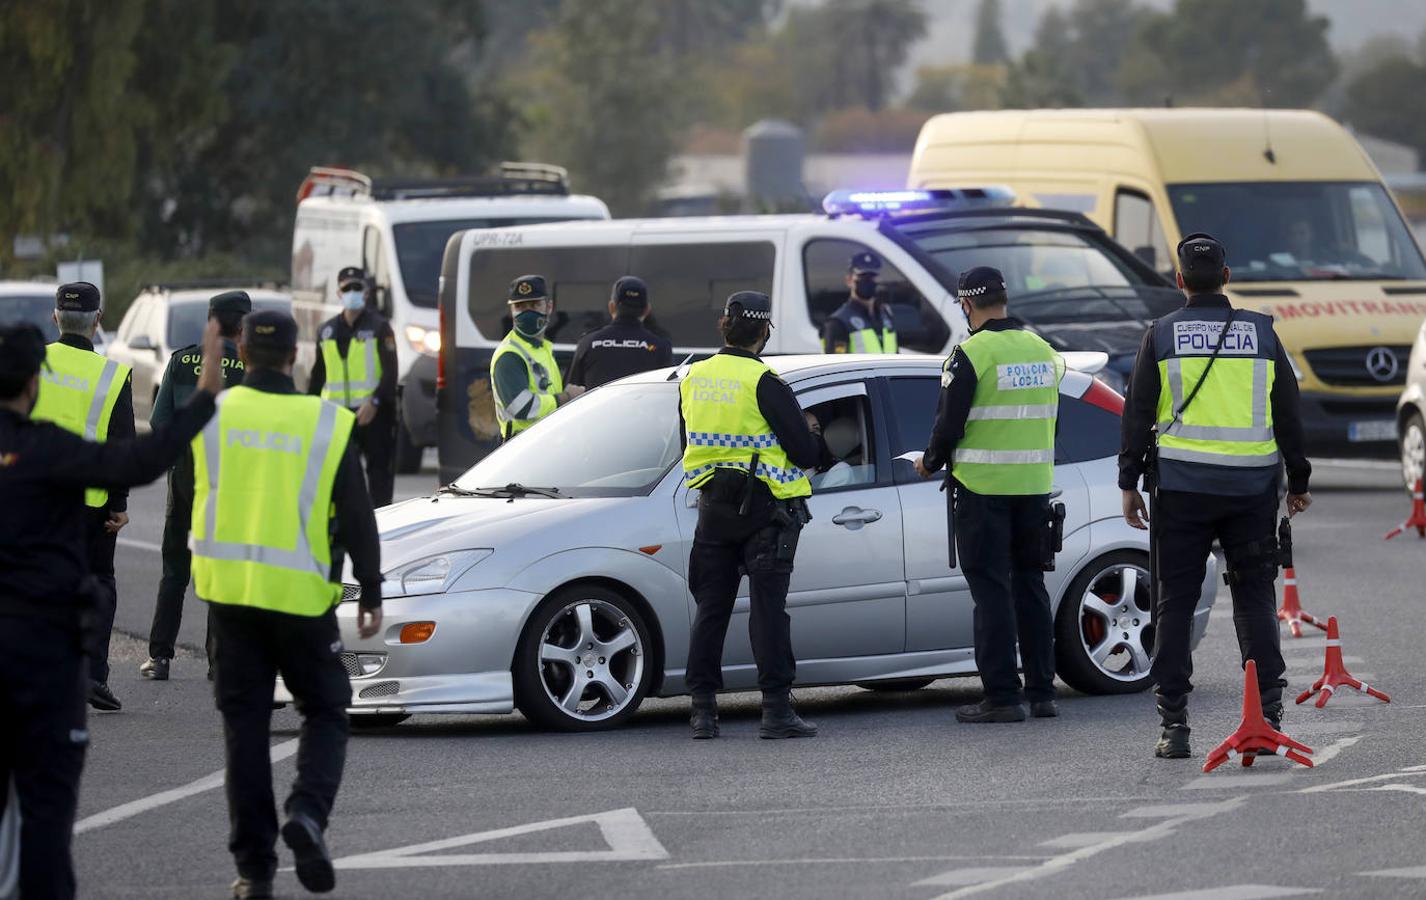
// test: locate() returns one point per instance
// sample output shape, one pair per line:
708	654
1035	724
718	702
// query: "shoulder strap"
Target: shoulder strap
1178	413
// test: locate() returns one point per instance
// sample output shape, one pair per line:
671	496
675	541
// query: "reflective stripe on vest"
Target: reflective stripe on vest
1008	447
351	379
544	383
78	392
242	487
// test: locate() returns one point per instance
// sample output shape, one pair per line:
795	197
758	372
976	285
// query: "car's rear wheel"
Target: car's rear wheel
895	685
1413	449
583	662
1104	631
364	721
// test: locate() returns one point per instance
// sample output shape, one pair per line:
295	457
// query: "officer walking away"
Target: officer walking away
995	425
623	347
180	380
747	446
862	324
49	600
1213	384
524	378
88	395
356	369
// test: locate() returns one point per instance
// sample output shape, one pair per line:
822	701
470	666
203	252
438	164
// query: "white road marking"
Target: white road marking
1353	782
1228	779
1413	872
1234	892
137	807
627	834
1168	809
732	863
965	877
1322	726
1329	753
1080	839
1402	788
901	807
138	544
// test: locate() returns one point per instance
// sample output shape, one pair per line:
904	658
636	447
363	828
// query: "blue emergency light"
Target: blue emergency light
869	204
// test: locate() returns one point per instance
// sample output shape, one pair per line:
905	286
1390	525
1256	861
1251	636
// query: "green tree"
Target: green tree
989	45
1076	55
1387	101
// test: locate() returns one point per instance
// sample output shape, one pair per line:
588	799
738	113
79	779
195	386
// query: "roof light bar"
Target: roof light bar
870	204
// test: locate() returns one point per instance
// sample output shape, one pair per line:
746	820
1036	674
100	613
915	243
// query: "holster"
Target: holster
955	492
1054	538
1284	543
1254	559
789	517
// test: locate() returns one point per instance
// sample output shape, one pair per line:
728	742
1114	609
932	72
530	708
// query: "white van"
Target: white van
397	230
925	238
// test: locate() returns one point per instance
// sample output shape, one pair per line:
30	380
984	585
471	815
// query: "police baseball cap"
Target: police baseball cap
351	275
22	351
231	302
78	296
1201	252
270	328
865	263
980	282
748	305
631	291
528	287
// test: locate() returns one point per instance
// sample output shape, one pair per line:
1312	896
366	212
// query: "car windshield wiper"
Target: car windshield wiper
456	491
515	489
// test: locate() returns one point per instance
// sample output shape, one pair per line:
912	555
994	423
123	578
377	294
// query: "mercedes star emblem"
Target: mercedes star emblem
1381	364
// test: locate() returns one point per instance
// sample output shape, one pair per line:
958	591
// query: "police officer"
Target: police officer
524	379
862	324
995	425
746	446
356	369
1215	386
91	396
47	593
623	347
180	379
274	472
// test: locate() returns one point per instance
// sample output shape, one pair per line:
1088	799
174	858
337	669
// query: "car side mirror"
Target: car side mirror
141	342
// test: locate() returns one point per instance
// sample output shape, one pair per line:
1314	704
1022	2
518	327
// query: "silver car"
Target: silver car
551	577
1411	414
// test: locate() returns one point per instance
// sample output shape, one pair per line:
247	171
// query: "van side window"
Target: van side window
688	284
580	278
824	265
373	259
1136	226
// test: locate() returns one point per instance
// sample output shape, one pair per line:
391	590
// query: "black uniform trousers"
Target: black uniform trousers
999	541
725	546
1187	525
377	442
101	546
177	566
44	681
251	646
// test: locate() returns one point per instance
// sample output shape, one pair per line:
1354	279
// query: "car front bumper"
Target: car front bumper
1348	425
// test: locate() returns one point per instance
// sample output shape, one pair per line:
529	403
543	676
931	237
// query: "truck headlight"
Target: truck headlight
430	574
426	341
1292	361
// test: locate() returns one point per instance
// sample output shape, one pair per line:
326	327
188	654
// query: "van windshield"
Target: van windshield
1301	230
35	309
420	247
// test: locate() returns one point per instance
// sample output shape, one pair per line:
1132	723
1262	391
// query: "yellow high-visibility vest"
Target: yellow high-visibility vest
78	390
545	383
1009	441
351	379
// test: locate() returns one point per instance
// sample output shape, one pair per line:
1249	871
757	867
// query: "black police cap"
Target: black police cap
528	287
231	302
748	305
22	351
630	291
270	328
1201	252
351	275
865	263
980	282
78	296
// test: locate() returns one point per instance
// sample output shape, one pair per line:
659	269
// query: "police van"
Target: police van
924	238
397	230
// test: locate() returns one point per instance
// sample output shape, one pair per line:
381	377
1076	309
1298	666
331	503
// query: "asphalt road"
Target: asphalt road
893	800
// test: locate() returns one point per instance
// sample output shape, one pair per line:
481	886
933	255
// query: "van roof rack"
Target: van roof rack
508	179
193	284
333	181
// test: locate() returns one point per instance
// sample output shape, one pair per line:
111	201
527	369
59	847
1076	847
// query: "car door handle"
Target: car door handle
855	516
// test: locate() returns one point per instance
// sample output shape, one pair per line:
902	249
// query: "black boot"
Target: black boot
303	835
780	720
705	717
103	699
985	711
155	668
1273	713
1173	742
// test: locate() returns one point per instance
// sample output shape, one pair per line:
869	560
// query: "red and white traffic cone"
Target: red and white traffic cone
1291	610
1335	674
1255	735
1417	519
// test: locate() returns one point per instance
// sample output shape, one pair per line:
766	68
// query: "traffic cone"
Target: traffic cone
1291	611
1335	674
1417	519
1255	735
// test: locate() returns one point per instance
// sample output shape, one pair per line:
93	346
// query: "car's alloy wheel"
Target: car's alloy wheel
583	663
1413	450
1104	629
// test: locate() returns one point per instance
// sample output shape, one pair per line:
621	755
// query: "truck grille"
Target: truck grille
1375	366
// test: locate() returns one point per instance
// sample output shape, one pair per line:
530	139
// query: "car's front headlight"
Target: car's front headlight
430	574
426	341
1292	361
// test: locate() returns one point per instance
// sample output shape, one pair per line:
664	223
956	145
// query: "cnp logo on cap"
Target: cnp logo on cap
71	295
265	329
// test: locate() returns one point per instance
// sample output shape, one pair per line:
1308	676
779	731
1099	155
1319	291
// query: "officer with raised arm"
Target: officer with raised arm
524	378
862	324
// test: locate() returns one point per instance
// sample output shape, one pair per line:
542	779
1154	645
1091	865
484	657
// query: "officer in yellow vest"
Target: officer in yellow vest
1214	386
356	369
524	377
747	449
90	396
278	498
995	425
862	324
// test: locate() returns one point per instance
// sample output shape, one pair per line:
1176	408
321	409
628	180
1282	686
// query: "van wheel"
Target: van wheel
1104	630
1413	450
408	454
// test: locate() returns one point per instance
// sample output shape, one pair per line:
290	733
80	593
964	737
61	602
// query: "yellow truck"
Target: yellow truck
1313	236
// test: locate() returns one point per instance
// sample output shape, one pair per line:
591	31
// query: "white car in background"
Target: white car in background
1411	414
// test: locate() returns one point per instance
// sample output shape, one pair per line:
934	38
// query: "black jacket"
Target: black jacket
620	348
958	384
367	325
121	420
836	333
1142	400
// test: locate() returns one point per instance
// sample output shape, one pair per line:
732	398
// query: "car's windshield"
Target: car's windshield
420	247
37	309
617	441
1298	230
186	320
1032	260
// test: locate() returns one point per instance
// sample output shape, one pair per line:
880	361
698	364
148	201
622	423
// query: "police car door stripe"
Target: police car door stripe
1009	457
97	403
1029	411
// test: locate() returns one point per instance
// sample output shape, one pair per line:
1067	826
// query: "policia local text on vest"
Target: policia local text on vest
1214	386
524	378
861	325
995	425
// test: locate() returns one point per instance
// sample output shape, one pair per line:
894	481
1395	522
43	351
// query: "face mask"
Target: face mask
531	323
864	288
353	300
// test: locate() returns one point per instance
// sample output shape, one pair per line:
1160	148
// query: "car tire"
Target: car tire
1103	641
1412	444
895	685
588	637
365	721
408	452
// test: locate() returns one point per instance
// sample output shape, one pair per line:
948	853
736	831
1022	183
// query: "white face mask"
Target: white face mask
353	300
